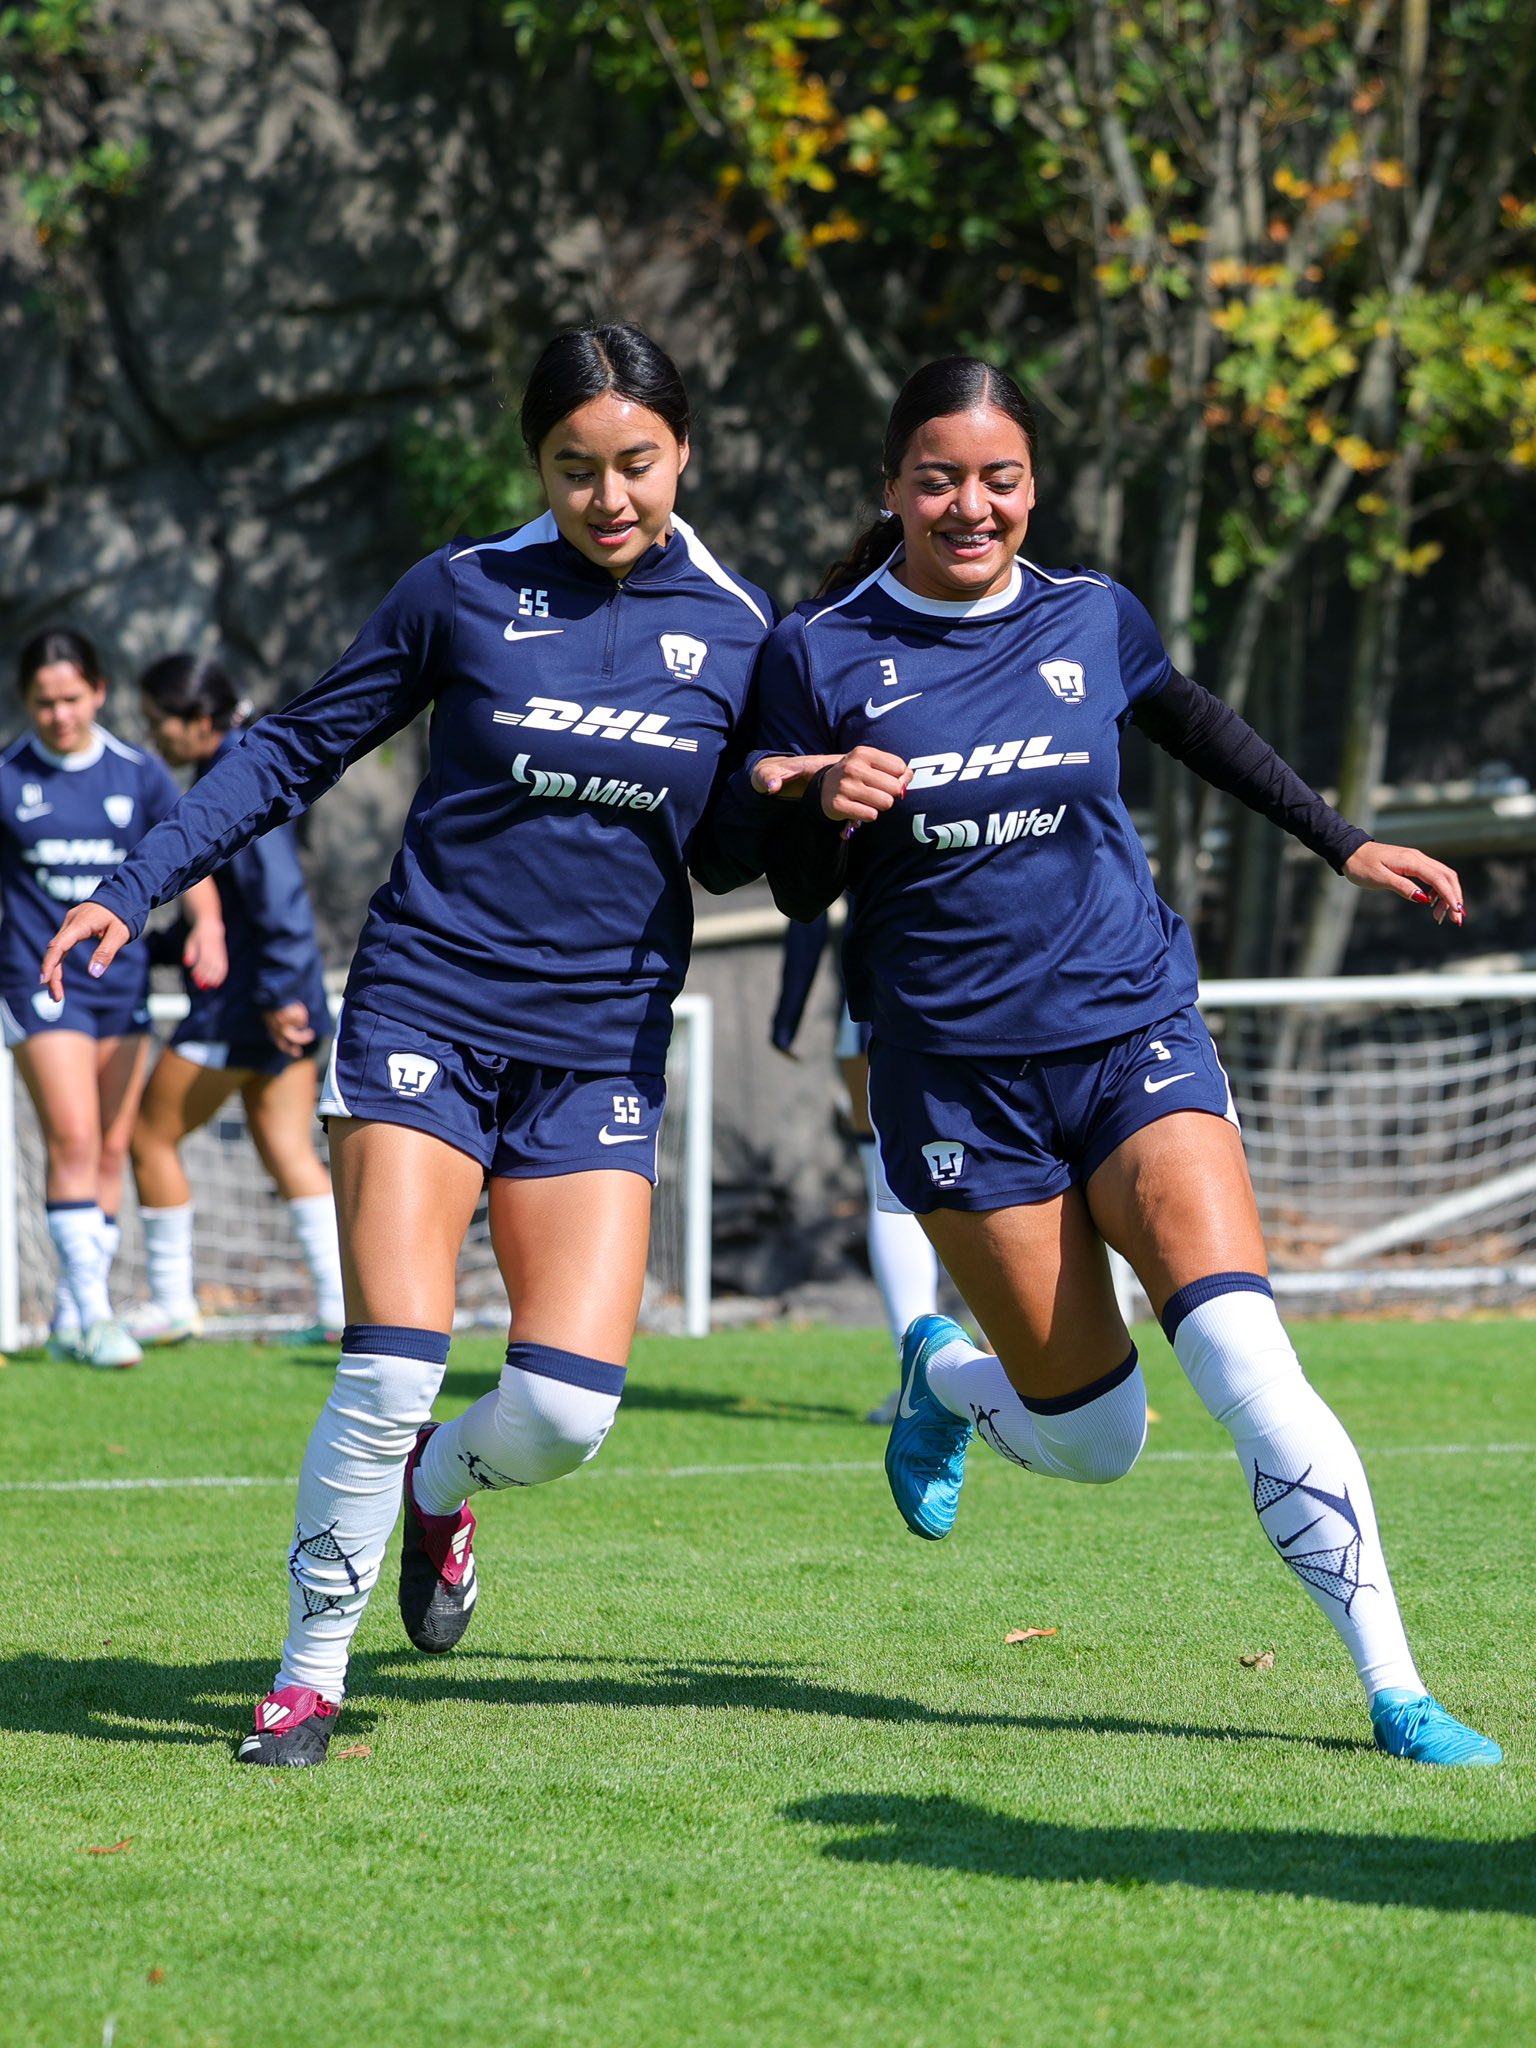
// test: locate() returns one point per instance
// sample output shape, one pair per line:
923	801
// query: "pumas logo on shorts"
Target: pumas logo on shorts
119	809
411	1073
1066	679
945	1159
683	655
49	1008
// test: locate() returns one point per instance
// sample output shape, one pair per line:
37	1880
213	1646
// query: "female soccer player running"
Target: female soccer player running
510	1001
1040	1079
257	1033
73	801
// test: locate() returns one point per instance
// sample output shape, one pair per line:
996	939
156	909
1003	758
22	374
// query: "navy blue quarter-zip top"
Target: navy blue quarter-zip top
539	905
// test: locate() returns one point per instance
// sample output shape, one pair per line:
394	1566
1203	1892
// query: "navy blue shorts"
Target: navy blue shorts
995	1134
102	1014
244	1055
522	1122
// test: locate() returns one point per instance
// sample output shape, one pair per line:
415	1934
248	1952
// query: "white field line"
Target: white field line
808	1467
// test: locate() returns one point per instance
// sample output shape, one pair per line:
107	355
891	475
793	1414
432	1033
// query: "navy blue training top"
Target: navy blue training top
66	823
539	906
269	930
1005	904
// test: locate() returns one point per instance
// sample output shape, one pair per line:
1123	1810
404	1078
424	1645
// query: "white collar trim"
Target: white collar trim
73	763
965	608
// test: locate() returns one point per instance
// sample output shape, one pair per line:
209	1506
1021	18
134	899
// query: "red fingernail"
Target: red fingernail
1420	897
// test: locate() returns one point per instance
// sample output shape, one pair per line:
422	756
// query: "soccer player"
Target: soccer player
73	802
257	1033
510	1000
1039	1076
901	1260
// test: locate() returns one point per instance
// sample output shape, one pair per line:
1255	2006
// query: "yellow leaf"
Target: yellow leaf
1161	167
1025	1635
1390	172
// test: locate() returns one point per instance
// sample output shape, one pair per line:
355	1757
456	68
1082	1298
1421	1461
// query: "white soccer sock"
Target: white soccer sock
75	1228
1090	1437
66	1317
904	1264
314	1225
549	1415
168	1258
1304	1474
349	1494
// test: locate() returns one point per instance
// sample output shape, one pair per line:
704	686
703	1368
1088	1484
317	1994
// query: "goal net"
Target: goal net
251	1278
1389	1130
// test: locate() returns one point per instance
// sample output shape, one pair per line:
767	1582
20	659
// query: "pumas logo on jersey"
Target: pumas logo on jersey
32	804
49	1008
932	771
411	1073
119	809
1066	679
945	1160
555	714
683	655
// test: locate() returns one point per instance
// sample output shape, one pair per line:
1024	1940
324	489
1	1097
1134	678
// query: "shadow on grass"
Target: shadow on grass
465	1383
130	1699
1362	1869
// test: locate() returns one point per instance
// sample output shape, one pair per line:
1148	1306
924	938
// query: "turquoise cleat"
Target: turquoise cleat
925	1456
1412	1725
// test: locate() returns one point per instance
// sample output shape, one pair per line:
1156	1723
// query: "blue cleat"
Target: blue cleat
1412	1725
925	1457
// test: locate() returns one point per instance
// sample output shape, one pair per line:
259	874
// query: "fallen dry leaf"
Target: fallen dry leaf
156	1975
1258	1660
357	1749
1024	1635
125	1843
1153	1416
118	1450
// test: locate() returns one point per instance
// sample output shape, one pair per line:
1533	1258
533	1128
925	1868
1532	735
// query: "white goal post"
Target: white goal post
250	1277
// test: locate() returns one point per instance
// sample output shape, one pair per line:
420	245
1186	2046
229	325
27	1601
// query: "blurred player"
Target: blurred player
257	1033
901	1260
73	802
1040	1078
510	1001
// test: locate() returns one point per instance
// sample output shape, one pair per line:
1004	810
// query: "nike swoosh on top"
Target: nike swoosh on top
607	1137
874	710
539	632
1153	1085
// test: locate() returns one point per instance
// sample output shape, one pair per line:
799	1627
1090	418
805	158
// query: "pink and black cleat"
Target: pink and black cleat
293	1727
438	1586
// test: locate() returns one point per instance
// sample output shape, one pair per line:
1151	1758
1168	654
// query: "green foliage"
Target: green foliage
466	478
59	168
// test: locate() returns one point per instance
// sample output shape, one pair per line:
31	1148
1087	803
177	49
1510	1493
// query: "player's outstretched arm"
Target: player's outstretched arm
1410	874
85	922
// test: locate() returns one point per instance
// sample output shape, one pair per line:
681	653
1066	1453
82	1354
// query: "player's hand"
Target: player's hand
205	956
289	1028
86	921
1410	874
788	775
863	783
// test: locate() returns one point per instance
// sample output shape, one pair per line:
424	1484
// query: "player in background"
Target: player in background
901	1260
257	1033
73	802
510	1001
1039	1076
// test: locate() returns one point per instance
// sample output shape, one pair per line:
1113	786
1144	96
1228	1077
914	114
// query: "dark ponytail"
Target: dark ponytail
53	644
583	363
190	686
938	390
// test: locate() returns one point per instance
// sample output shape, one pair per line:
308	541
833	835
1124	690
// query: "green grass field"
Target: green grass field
727	1757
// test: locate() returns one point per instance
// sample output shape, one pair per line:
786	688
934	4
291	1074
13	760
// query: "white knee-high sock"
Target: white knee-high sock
903	1263
1304	1474
349	1493
314	1225
75	1228
549	1415
1091	1437
168	1258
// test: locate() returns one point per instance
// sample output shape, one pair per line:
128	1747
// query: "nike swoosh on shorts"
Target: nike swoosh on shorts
1153	1085
607	1137
874	710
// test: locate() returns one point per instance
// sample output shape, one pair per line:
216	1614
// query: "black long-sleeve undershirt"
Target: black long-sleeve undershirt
807	860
